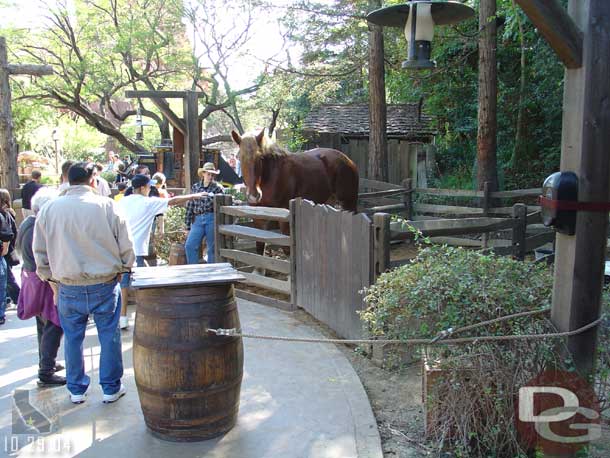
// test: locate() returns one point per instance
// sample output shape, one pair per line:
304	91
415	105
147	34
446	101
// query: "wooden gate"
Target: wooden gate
335	261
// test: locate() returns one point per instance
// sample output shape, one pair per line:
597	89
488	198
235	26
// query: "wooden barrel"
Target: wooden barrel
188	380
177	254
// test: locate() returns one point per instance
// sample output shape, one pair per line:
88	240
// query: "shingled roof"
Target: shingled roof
403	120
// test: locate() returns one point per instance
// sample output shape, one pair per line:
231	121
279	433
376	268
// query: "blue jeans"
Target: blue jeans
75	304
203	226
3	279
125	277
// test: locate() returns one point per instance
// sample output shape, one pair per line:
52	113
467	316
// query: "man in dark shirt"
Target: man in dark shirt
28	191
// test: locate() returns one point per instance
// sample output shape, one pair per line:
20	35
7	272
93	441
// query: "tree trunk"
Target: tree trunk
519	150
378	151
8	149
488	91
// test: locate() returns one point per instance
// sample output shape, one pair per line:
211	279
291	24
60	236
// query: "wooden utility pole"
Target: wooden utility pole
8	149
378	149
581	39
189	126
487	167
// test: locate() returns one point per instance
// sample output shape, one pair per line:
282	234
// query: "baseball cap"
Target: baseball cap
141	180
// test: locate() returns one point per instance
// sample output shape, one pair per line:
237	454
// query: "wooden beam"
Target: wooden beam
259	235
164	108
281	286
28	69
594	186
192	143
264	213
256	260
155	94
558	28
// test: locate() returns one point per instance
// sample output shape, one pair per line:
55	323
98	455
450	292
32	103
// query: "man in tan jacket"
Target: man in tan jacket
82	243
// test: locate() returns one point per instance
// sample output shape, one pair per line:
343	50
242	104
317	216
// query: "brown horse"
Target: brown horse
273	177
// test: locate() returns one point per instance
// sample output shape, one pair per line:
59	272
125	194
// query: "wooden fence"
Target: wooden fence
334	262
228	231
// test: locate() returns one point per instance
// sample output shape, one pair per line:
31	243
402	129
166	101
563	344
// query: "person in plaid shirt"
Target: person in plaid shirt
200	215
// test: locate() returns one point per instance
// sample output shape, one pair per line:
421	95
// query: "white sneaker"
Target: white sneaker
109	398
78	398
123	322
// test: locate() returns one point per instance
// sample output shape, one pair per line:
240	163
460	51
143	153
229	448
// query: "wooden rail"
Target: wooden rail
229	233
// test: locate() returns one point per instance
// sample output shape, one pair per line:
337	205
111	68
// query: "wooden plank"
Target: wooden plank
534	218
190	274
508	210
449	192
385	208
447	209
451	227
281	286
519	230
252	233
377	185
29	69
294	229
455	241
264	300
532	192
535	241
256	260
558	28
264	213
391	192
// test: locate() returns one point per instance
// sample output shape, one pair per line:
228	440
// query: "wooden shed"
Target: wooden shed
346	128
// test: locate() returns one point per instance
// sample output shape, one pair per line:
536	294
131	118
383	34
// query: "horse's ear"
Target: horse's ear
236	137
259	137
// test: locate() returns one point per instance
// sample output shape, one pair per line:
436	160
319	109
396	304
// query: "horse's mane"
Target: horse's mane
270	148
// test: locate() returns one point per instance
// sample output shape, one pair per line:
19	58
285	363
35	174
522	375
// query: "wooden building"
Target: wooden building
346	128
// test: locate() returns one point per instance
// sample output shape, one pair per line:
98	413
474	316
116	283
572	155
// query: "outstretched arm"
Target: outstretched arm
179	200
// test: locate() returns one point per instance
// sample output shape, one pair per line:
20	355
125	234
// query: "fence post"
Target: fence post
381	225
519	230
486	205
407	198
219	219
292	206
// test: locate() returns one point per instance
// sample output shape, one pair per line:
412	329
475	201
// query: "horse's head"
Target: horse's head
251	158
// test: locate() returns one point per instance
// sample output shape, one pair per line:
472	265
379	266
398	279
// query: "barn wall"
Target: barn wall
404	156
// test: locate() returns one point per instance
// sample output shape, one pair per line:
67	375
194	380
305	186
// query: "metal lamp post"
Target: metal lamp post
55	137
418	19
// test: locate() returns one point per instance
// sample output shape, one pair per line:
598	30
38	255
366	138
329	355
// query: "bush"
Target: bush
174	231
474	401
451	287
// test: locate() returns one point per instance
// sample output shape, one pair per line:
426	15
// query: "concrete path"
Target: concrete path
297	400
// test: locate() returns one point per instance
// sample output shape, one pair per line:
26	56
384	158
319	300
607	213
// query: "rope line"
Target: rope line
237	333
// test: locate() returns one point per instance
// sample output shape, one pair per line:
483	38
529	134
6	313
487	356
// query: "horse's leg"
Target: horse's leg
260	246
285	229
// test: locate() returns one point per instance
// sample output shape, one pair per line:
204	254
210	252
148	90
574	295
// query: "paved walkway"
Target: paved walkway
297	400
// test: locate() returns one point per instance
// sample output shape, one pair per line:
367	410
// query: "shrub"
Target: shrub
174	231
474	401
451	287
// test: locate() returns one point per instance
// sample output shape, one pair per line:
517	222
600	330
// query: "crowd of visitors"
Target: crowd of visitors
78	245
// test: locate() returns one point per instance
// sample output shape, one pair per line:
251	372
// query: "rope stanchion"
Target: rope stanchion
426	342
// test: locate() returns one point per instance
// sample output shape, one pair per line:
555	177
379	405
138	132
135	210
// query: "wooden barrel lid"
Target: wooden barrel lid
190	274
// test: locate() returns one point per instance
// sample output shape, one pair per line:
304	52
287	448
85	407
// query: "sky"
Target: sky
266	41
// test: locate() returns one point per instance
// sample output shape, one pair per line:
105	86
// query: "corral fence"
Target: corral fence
334	254
502	226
